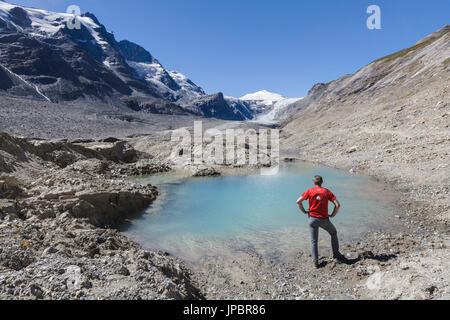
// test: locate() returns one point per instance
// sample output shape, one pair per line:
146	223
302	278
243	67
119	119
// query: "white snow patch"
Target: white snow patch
28	84
186	84
267	105
48	23
147	71
155	73
44	22
272	115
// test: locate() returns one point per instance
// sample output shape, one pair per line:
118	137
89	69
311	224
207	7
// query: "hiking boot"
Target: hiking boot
340	258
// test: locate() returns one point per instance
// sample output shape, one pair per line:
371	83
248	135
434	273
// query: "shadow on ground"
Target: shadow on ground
366	255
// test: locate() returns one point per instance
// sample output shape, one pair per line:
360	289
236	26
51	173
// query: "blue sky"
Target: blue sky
242	46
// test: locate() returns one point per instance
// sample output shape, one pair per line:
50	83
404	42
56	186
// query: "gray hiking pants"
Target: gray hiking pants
314	225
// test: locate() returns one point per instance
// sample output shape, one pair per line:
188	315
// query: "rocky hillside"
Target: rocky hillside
60	206
407	72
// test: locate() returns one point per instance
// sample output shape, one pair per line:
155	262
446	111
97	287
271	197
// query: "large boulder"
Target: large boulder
205	172
113	209
10	187
120	151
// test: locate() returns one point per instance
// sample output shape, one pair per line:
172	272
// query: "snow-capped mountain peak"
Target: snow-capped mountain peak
263	95
44	58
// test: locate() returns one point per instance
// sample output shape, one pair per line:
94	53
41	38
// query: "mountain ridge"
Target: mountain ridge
63	64
406	69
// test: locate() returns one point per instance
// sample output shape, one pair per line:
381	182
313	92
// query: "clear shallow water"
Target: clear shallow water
195	217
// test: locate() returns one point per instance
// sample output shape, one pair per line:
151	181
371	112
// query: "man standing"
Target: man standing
319	218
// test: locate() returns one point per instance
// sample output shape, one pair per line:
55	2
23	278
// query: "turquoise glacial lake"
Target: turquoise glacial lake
196	217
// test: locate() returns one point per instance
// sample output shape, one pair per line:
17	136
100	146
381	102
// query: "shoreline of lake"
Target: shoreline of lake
169	183
52	238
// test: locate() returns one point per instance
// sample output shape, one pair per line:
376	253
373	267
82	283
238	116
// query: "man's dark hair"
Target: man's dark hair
318	180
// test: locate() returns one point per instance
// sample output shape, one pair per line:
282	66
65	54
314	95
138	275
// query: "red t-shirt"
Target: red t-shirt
318	201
